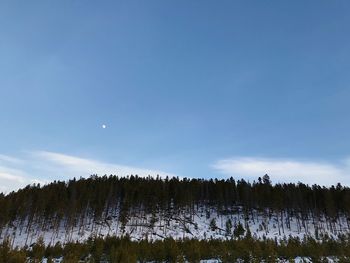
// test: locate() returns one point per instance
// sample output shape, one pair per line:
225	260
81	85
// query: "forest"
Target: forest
99	194
123	250
45	218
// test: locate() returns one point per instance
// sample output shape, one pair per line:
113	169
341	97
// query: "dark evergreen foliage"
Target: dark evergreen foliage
115	250
95	195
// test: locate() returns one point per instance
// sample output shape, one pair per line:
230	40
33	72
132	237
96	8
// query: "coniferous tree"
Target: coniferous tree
238	231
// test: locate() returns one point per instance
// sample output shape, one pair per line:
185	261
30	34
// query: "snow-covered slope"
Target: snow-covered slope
201	223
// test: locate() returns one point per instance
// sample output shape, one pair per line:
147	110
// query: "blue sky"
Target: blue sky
188	88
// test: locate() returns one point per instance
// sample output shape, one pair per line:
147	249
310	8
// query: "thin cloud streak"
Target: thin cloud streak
9	159
12	179
44	166
286	170
78	166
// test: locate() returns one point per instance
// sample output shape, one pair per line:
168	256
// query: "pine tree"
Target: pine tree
228	227
238	230
38	250
5	249
213	225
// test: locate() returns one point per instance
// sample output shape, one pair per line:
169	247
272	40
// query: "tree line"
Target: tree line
123	250
98	195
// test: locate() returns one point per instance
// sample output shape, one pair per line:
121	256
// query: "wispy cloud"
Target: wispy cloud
11	181
9	159
44	166
78	166
286	170
11	178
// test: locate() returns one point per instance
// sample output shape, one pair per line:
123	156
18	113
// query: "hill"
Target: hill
156	209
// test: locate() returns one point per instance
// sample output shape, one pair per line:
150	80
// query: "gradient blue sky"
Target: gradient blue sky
191	88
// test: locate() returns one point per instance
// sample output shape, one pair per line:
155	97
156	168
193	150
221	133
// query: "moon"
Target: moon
104	126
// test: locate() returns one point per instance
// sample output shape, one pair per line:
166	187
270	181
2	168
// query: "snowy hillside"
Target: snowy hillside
201	223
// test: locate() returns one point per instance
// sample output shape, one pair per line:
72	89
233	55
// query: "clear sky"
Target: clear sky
187	88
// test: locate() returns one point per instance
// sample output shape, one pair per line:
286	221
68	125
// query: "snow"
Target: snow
179	224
